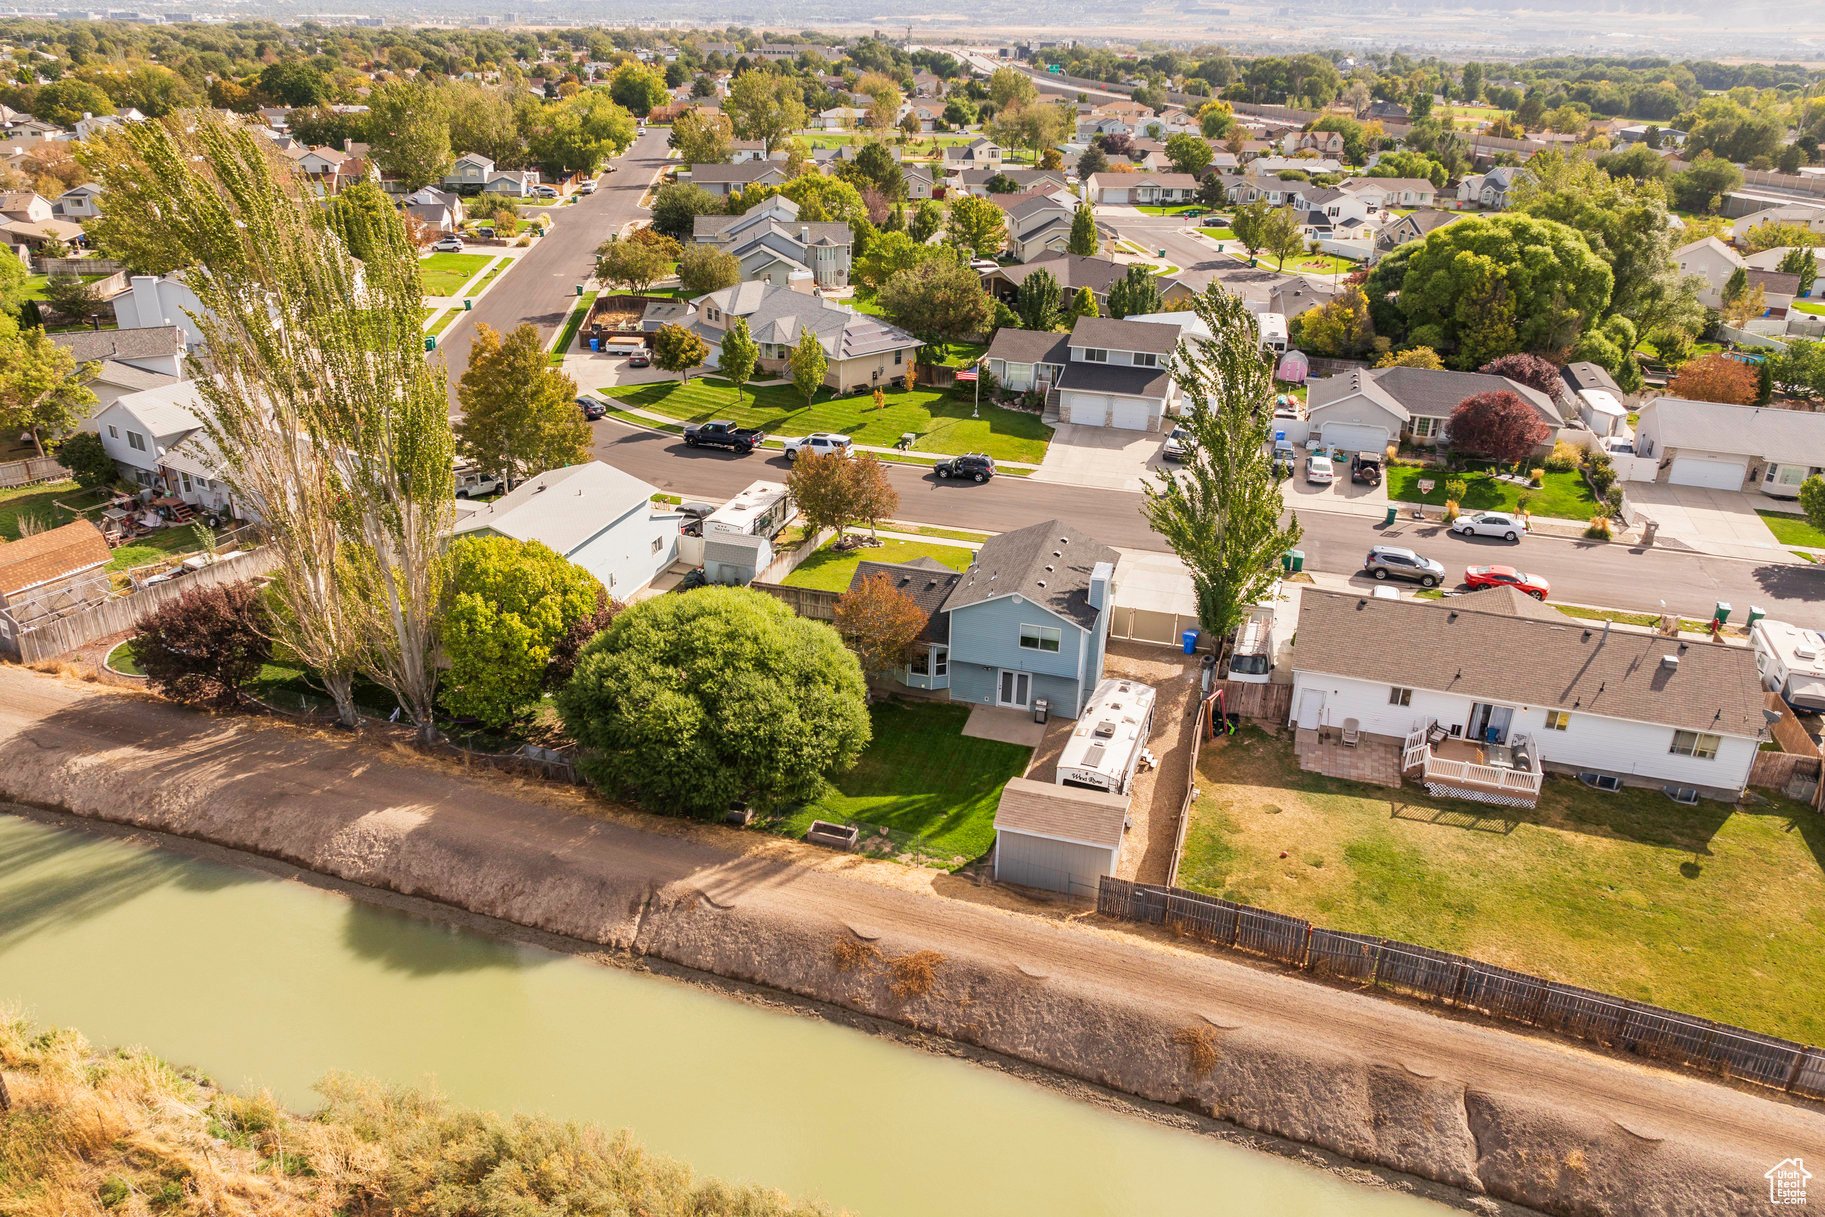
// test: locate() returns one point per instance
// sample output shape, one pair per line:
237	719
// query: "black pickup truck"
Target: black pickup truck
723	434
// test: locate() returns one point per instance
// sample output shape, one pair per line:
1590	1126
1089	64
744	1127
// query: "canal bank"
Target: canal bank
217	960
1519	1117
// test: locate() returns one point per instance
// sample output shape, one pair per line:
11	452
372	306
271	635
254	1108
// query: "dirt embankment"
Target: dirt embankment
1521	1119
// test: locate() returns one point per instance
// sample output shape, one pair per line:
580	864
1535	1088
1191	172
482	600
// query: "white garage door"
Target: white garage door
1354	437
1710	474
1089	409
1130	414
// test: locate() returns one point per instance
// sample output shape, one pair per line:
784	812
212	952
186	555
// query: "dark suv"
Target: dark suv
974	466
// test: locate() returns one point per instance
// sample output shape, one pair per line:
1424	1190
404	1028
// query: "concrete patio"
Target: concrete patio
1374	759
1009	726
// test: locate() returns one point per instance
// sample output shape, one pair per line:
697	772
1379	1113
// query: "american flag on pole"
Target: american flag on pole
965	375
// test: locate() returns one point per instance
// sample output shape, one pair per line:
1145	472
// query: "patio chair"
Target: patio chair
1352	733
1438	734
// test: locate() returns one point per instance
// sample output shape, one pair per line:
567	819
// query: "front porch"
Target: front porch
1502	774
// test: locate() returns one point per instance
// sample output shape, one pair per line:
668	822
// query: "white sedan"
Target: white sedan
1491	524
1318	469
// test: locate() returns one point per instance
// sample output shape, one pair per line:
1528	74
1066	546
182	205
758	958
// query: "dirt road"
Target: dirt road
1528	1119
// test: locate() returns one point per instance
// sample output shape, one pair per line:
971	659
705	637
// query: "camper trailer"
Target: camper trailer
1106	744
1792	662
1252	661
761	510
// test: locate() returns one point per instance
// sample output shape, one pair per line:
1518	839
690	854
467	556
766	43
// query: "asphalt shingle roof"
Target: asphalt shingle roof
926	581
1789	436
1062	813
1029	346
51	554
1478	647
1048	564
1109	333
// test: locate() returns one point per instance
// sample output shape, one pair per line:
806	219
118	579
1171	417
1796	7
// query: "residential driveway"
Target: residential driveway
610	371
1340	495
1713	521
1105	457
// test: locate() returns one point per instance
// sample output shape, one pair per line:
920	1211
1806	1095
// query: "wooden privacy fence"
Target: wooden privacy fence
1665	1036
810	602
65	634
31	470
1202	716
1271	705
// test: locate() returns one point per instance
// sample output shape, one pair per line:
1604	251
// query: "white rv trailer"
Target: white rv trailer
1106	744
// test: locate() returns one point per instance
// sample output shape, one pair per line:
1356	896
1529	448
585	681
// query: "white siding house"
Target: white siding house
600	518
1519	688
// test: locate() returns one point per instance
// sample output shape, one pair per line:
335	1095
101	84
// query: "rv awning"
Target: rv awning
1806	694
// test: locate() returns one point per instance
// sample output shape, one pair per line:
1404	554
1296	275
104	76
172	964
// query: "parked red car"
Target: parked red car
1507	576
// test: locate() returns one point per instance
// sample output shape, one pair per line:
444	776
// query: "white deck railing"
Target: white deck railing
1494	779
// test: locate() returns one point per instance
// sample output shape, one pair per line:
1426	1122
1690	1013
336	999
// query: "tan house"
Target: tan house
861	351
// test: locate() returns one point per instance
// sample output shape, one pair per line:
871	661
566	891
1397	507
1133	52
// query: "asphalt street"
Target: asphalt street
1581	572
542	286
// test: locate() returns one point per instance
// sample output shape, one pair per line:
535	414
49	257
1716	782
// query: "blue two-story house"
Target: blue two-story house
1028	620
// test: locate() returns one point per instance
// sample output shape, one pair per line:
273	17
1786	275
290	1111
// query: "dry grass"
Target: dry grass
914	975
125	1134
847	956
1200	1044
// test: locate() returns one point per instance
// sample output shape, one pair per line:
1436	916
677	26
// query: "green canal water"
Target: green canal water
262	982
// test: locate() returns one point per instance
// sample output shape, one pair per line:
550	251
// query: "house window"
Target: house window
1039	637
1557	720
658	544
1425	427
113	431
941	660
1695	744
898	357
1095	355
1398	696
1146	360
136	441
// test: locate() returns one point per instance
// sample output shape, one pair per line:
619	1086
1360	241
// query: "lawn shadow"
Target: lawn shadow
1452	817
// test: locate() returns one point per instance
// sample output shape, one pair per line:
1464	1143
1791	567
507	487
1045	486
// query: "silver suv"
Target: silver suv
1393	562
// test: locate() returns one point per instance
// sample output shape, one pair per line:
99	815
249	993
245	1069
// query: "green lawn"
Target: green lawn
1562	495
493	274
941	420
1712	910
1177	209
445	274
831	570
121	659
572	323
446	321
41	503
1809	306
1322	264
156	547
1792	529
1218	234
35	285
932	788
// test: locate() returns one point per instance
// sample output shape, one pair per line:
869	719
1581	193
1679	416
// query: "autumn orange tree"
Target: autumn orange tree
880	623
1716	378
836	491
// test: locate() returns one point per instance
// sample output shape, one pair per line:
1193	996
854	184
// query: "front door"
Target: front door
1016	688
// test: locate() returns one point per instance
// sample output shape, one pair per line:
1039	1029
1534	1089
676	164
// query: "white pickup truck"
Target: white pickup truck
820	443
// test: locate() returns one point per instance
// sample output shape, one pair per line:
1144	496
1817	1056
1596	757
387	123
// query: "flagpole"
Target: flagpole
976	409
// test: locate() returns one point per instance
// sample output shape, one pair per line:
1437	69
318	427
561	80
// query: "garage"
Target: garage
1709	472
1354	437
1131	414
1087	409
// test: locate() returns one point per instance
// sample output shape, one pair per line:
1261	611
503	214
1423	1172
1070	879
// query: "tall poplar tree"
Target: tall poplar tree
322	413
1220	510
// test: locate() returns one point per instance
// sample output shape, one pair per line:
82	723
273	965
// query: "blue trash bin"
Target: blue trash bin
1191	642
595	344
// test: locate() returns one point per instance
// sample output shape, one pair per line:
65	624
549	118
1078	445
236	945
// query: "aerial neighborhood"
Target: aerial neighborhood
1267	556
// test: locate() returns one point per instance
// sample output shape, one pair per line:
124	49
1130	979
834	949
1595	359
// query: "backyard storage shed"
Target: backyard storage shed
1058	838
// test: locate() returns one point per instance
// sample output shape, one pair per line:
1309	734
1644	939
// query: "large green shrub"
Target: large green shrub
690	702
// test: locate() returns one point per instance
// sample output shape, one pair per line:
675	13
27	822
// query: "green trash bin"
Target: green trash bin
1286	562
430	342
1298	557
1387	521
579	289
1756	613
467	305
1722	613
